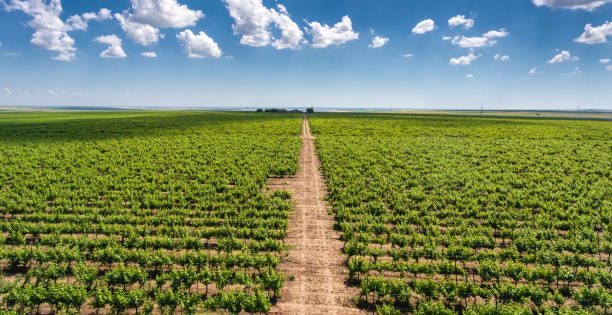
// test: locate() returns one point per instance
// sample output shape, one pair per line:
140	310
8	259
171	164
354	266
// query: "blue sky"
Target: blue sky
316	53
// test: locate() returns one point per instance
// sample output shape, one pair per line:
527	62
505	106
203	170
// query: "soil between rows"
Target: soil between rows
315	259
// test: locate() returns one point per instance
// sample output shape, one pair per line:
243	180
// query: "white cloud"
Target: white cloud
607	60
7	91
164	13
499	57
472	42
461	20
447	37
595	35
149	54
588	5
282	9
291	35
487	39
424	27
146	17
12	54
143	34
378	42
52	92
103	14
77	22
463	60
79	94
533	71
253	21
340	33
609	68
563	57
496	34
23	94
80	22
407	55
114	50
469	76
50	31
198	46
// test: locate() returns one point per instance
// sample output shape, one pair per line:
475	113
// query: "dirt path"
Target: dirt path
316	260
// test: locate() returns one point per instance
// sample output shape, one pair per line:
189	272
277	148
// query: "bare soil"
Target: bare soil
315	259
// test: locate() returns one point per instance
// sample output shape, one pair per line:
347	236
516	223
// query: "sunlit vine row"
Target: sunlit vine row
472	215
143	212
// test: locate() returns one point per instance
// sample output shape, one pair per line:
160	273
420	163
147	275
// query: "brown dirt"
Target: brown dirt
316	259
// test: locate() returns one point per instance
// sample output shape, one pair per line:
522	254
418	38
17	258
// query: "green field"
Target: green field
143	211
168	212
446	214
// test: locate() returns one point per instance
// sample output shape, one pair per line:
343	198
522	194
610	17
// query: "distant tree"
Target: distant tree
259	110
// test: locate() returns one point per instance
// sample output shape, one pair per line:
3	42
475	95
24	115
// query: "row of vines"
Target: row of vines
472	215
140	212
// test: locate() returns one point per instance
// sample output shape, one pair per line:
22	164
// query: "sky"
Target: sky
421	54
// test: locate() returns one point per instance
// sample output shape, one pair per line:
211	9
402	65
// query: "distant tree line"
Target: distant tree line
282	110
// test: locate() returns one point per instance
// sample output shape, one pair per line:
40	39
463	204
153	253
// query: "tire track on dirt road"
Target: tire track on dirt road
316	258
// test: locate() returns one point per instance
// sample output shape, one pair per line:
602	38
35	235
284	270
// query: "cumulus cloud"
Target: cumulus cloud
533	71
461	20
198	46
609	68
143	21
487	39
50	31
469	76
463	60
340	33
253	21
143	34
588	5
12	54
595	35
407	55
607	60
164	13
52	92
472	42
149	54
114	50
499	57
7	91
424	27
563	56
80	22
496	34
378	42
103	14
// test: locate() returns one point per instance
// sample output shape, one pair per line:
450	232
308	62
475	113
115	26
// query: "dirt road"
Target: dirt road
316	260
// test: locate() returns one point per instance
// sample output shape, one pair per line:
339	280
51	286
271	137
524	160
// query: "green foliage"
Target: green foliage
471	214
129	212
433	308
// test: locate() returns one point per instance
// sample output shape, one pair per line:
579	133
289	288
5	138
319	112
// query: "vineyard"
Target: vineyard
143	212
472	215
